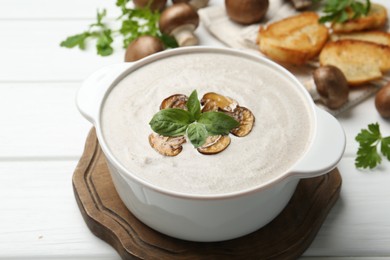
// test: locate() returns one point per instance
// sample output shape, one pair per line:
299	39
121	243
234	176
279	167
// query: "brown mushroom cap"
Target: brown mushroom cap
246	11
246	119
331	85
213	102
197	4
175	101
215	144
382	101
154	4
167	146
143	46
178	15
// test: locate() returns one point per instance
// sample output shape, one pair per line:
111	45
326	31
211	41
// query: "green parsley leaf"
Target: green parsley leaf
197	134
97	31
369	136
193	105
76	40
218	123
133	23
340	11
385	147
138	22
171	122
103	44
121	2
169	41
368	157
369	139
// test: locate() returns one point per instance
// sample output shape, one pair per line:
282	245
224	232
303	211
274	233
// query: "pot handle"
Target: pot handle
93	89
327	149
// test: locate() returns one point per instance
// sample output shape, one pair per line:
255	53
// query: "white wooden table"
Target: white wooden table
42	136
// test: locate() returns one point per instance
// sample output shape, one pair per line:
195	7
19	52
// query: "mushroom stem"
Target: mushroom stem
301	4
312	89
197	4
184	35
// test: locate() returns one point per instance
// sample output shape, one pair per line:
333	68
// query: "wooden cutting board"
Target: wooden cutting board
286	237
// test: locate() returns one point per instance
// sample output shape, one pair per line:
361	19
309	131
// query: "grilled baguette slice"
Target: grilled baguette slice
376	18
293	40
378	37
360	61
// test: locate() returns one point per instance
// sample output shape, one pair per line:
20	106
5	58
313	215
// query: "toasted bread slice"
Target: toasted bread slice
294	40
376	18
378	37
360	61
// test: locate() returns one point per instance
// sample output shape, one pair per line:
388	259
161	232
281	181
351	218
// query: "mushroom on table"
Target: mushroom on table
246	11
382	101
143	46
152	4
180	21
332	86
197	4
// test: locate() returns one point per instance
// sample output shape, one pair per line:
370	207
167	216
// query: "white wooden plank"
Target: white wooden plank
32	51
359	224
39	216
55	9
41	120
75	9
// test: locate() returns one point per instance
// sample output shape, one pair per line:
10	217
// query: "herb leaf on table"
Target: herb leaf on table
98	31
134	22
340	11
369	139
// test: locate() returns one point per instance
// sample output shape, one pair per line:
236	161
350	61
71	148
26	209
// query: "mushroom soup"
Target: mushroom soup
278	139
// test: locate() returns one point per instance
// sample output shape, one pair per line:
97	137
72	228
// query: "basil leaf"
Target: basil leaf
218	123
197	134
171	122
193	105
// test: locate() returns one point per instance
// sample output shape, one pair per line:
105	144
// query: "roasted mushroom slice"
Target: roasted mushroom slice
175	101
165	145
215	144
213	102
246	119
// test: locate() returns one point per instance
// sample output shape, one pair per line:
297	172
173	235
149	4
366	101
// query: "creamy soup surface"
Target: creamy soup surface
279	137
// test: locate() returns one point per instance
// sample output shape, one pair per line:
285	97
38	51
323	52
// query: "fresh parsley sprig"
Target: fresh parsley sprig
99	31
369	139
134	22
192	122
340	11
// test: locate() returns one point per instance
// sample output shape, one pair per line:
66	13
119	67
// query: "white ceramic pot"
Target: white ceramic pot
219	217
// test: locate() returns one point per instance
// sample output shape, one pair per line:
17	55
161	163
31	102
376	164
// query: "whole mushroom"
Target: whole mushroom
154	4
180	21
197	4
143	46
246	11
331	85
382	101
